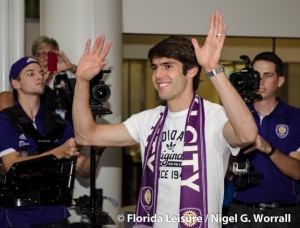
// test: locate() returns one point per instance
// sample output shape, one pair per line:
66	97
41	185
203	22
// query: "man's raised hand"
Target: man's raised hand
92	61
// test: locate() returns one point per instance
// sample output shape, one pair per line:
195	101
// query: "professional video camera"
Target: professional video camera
246	82
99	93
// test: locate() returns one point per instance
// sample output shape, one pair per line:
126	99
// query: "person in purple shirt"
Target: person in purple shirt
275	155
28	82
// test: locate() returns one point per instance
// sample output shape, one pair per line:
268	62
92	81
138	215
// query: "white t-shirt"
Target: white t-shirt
217	155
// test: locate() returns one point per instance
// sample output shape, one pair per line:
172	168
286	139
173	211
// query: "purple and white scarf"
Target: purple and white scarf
193	196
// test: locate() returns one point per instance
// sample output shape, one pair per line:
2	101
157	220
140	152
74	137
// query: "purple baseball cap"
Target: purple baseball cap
18	66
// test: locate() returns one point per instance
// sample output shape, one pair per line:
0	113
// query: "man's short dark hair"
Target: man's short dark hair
181	49
270	57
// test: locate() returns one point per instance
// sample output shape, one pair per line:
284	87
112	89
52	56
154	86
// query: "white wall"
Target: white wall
261	18
32	31
12	15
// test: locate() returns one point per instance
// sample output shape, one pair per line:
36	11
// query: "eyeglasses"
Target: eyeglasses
42	54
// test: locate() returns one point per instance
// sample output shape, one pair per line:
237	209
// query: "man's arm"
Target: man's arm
289	165
241	128
83	164
67	150
87	131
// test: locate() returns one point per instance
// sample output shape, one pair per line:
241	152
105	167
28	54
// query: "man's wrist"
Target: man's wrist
215	71
74	68
273	149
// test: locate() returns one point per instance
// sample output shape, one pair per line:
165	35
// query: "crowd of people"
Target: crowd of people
183	176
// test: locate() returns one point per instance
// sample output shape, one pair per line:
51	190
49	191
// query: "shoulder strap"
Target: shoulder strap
54	127
25	122
12	119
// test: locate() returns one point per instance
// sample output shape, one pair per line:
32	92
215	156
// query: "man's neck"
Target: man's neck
177	105
265	107
30	106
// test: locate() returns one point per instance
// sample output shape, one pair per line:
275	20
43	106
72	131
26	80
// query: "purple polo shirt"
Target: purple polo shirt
11	140
281	128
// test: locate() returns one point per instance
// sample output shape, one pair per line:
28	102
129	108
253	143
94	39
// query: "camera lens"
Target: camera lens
239	81
101	92
242	165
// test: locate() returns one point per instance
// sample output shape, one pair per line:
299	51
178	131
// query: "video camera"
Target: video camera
246	82
99	93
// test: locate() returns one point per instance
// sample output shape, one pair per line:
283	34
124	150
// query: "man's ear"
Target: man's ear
192	72
15	84
281	80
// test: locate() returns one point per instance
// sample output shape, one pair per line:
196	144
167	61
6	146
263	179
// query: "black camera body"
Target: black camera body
99	93
246	82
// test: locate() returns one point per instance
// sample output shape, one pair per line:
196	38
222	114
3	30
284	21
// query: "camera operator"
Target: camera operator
59	88
275	154
29	132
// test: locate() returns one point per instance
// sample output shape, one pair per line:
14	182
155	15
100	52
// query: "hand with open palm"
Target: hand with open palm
92	61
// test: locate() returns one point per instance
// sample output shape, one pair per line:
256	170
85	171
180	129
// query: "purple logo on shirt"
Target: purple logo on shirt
282	130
